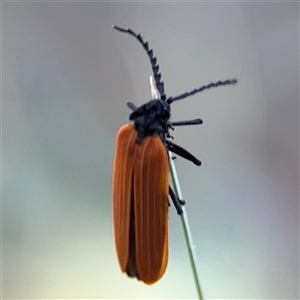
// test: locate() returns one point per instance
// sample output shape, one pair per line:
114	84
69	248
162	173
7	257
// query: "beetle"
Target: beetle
141	178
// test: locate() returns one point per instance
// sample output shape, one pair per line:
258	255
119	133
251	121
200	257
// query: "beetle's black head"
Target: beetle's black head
151	118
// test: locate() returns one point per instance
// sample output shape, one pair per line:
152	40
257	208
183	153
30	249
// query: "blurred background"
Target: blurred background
66	76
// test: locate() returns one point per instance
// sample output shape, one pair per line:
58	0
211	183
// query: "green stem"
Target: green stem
184	219
186	230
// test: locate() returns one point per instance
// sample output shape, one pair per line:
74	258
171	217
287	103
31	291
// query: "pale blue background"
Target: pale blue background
66	76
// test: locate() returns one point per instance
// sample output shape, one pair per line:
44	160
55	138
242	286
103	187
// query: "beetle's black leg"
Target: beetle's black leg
183	123
169	136
131	105
182	152
181	202
177	202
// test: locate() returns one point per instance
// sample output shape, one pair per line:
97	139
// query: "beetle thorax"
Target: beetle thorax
151	118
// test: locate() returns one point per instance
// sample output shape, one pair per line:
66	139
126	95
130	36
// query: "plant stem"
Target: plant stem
186	230
184	219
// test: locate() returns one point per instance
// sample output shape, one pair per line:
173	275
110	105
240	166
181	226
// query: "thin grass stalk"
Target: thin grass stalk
184	218
187	231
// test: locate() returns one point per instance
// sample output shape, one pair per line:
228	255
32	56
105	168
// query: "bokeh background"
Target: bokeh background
66	76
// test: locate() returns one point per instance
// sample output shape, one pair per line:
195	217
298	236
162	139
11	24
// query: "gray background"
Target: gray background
66	76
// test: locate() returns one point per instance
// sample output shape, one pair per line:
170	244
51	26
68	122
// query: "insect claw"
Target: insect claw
182	202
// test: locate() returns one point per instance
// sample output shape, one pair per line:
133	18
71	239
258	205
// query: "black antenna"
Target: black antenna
202	88
153	60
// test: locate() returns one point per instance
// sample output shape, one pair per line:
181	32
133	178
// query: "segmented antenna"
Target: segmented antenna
153	60
204	87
